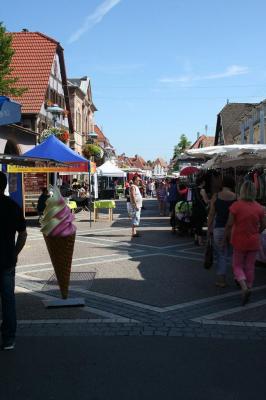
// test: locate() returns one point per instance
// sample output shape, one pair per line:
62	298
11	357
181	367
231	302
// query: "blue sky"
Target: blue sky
159	68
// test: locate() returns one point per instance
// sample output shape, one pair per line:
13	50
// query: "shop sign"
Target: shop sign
71	168
77	167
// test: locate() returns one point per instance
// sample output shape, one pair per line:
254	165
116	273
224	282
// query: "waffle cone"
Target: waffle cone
61	252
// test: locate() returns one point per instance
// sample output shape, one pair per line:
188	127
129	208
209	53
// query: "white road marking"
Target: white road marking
90	262
211	318
74	259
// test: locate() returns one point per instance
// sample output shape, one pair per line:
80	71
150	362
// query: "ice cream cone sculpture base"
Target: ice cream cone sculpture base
70	302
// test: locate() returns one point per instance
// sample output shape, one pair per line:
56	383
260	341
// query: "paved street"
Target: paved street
152	285
197	337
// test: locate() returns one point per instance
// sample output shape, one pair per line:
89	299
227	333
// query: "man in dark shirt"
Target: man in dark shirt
12	221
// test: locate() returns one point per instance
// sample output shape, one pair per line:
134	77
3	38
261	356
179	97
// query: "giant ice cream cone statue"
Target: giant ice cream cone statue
59	234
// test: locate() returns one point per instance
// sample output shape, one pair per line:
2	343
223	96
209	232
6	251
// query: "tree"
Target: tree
181	146
7	83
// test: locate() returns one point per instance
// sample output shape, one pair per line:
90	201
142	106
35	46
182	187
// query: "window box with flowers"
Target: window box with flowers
61	134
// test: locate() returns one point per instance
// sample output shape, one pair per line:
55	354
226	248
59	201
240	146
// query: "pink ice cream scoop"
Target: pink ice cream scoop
57	219
65	227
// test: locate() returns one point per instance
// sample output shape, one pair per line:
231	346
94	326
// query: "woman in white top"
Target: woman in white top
136	204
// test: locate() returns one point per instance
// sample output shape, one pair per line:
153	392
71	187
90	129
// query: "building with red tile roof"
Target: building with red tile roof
39	64
203	141
101	138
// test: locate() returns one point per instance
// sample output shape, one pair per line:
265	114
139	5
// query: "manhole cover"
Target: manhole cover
78	280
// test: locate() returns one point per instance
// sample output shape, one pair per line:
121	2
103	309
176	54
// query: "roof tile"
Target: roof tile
32	63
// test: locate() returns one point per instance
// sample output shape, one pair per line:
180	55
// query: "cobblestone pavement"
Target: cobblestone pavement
152	285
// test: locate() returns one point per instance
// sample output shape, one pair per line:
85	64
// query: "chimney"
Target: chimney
198	135
25	30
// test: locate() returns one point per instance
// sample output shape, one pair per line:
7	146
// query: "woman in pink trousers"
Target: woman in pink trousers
246	221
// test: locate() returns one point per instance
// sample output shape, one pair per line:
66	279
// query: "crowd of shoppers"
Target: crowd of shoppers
234	224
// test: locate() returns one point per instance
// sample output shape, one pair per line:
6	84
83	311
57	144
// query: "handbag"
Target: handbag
208	255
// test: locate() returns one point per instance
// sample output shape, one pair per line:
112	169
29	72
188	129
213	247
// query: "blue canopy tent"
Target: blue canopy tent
10	111
55	149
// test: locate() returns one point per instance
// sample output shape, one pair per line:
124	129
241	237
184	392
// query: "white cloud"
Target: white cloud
233	70
94	18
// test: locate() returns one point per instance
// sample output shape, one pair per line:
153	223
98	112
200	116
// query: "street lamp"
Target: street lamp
56	111
108	150
92	135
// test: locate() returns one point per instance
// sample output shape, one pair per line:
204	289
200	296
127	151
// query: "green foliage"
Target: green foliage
181	146
92	150
61	134
6	53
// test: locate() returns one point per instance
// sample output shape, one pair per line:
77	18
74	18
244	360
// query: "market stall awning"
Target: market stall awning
239	156
10	111
209	152
16	162
109	169
55	149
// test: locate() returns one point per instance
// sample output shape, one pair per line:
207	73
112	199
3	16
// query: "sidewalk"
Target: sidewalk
152	285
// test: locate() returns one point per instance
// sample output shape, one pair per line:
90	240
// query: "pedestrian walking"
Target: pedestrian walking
217	219
136	204
246	221
42	201
12	221
172	198
162	197
152	188
127	195
200	203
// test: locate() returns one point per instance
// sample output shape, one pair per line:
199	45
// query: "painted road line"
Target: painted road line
129	243
74	259
210	299
183	257
92	262
234	310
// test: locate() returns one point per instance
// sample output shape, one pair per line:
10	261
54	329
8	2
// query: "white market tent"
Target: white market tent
249	155
109	169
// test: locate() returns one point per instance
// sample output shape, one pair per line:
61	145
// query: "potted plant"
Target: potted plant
92	150
61	134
